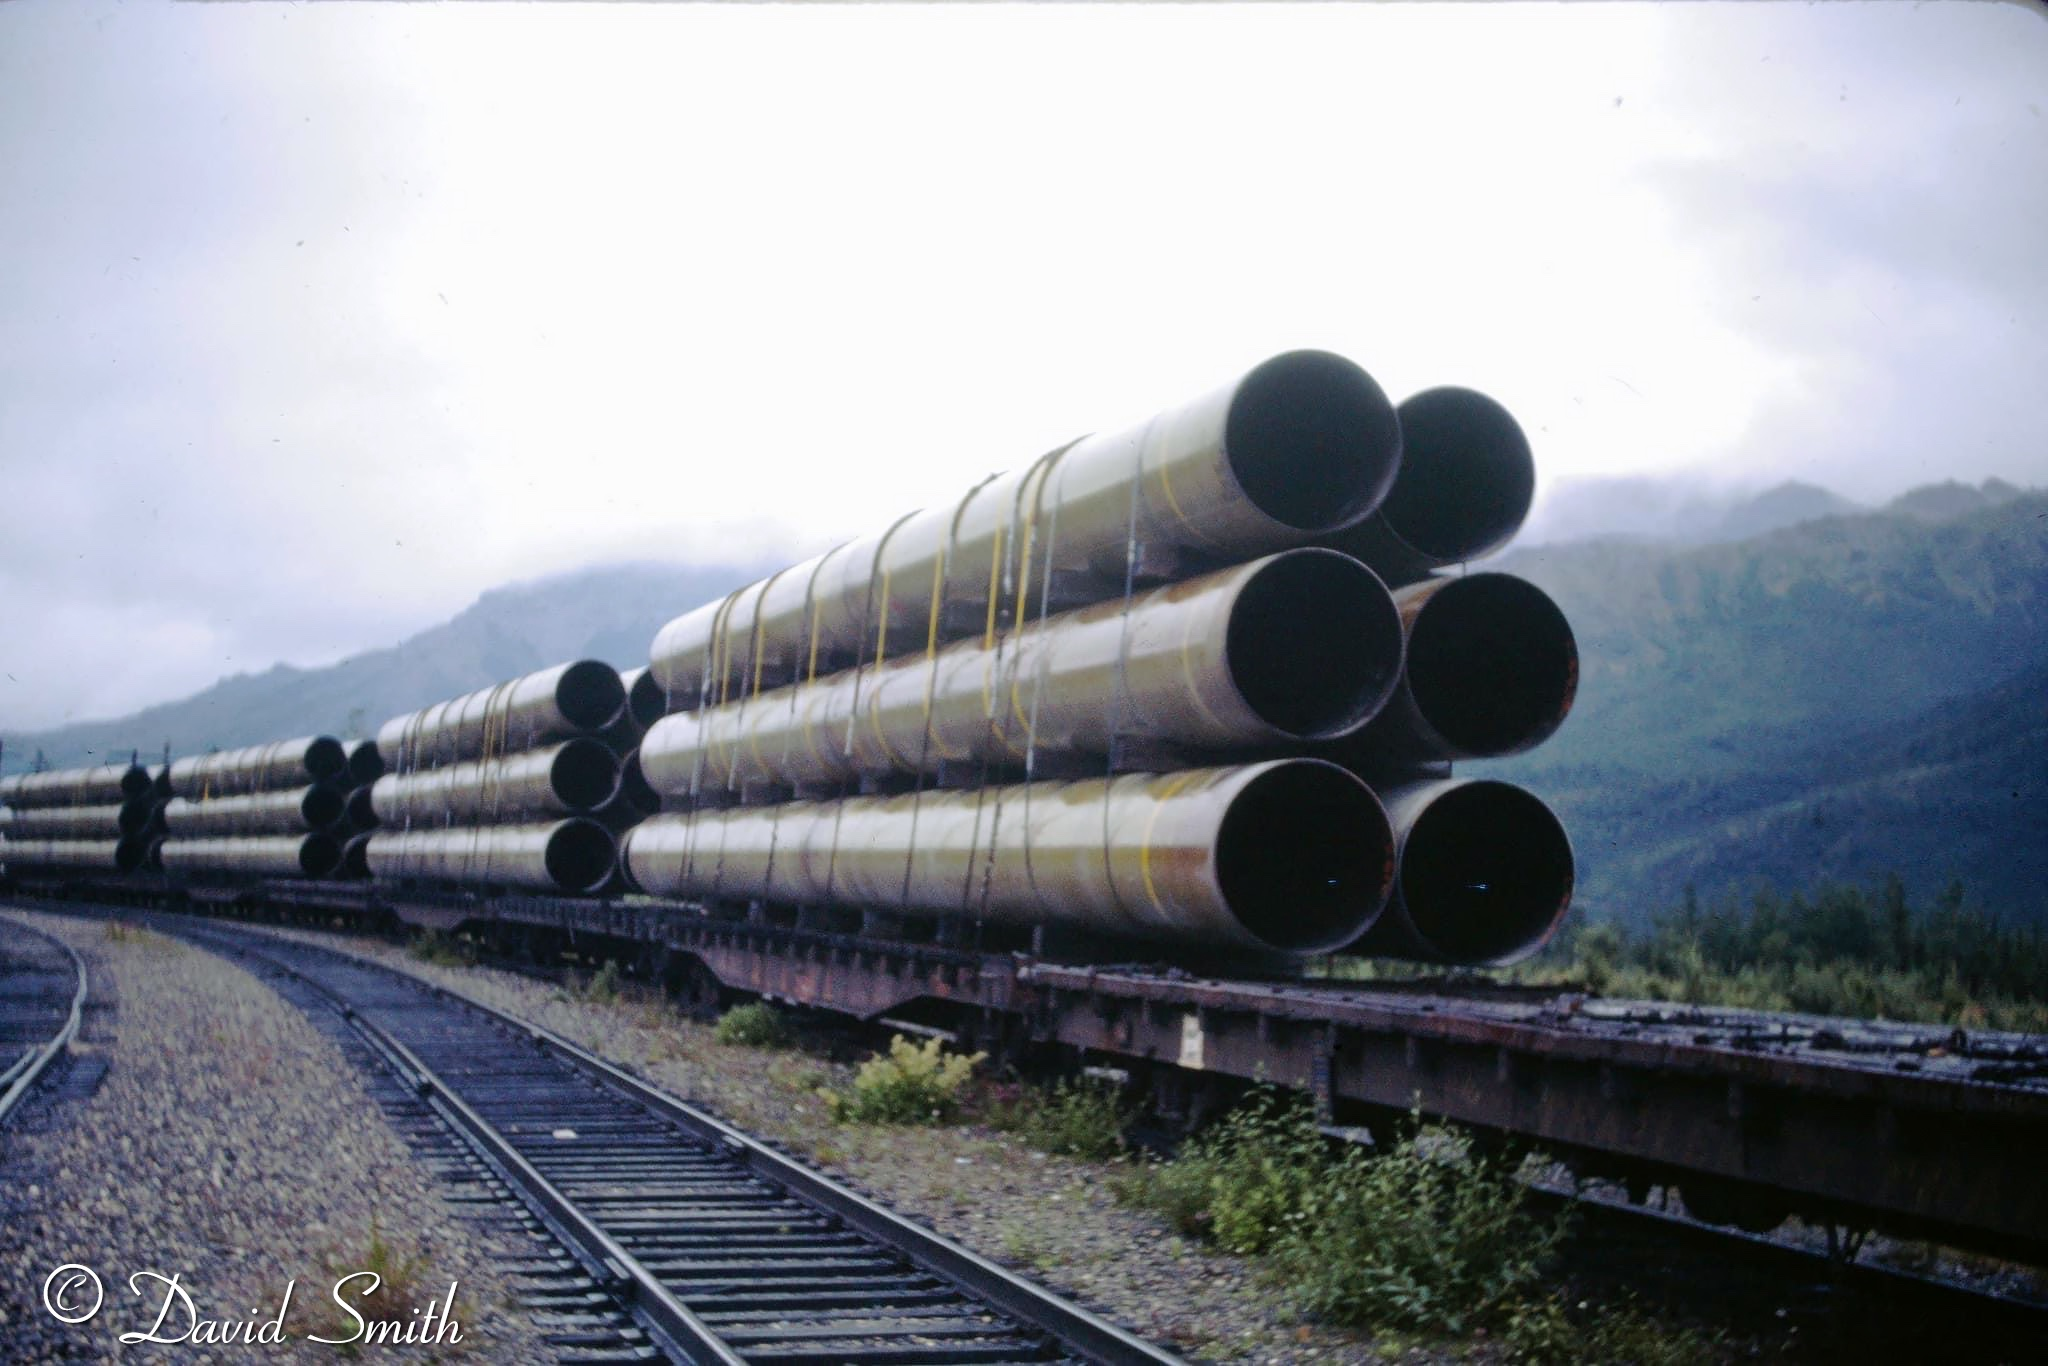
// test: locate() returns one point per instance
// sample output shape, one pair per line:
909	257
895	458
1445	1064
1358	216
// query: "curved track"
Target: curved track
726	1250
42	1001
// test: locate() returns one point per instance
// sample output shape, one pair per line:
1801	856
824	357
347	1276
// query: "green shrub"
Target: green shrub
755	1024
605	986
1075	1118
1424	1235
913	1084
442	950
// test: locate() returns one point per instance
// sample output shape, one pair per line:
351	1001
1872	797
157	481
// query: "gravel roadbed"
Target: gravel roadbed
233	1146
1053	1217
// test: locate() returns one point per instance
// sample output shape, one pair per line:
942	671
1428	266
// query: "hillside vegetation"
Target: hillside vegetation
1833	701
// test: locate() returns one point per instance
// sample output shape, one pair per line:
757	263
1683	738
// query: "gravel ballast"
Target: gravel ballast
233	1146
1053	1217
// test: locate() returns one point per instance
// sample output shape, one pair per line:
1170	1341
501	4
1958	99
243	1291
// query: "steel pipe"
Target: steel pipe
1464	488
1492	669
574	855
308	809
1303	645
1301	447
365	762
315	855
1485	874
361	811
279	765
103	785
553	704
1268	855
123	855
109	822
559	780
644	706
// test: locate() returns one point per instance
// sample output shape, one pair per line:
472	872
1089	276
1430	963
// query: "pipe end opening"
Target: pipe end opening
1313	440
1314	644
580	855
1467	476
590	695
1305	857
1492	665
584	774
1486	874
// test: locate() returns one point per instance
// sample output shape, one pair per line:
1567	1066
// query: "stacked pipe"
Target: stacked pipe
516	785
100	818
1153	684
270	810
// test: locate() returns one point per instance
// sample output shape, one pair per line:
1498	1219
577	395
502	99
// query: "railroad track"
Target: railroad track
719	1248
42	1002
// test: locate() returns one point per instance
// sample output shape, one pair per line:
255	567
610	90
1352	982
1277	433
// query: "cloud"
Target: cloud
325	319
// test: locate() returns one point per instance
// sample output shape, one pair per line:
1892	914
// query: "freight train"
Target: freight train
1189	687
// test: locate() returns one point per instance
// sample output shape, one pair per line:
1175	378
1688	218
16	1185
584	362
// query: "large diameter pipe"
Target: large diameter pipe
1293	855
1302	645
109	822
365	762
559	780
552	704
644	706
574	855
1492	669
1463	491
314	855
1485	874
1303	446
279	765
308	809
121	856
103	785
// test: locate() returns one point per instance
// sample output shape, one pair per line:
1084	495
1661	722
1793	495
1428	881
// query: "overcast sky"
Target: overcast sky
316	321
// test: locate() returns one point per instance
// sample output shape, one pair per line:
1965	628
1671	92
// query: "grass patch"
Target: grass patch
911	1084
403	1284
755	1025
442	950
1085	1118
1553	1332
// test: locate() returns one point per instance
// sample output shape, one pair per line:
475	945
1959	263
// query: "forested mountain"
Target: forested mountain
1835	700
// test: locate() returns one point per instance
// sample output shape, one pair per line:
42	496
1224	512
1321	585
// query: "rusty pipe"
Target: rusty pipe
1465	485
574	855
558	780
1300	447
1302	645
1492	669
102	785
316	807
1485	874
1260	855
315	855
112	821
279	765
122	855
552	704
